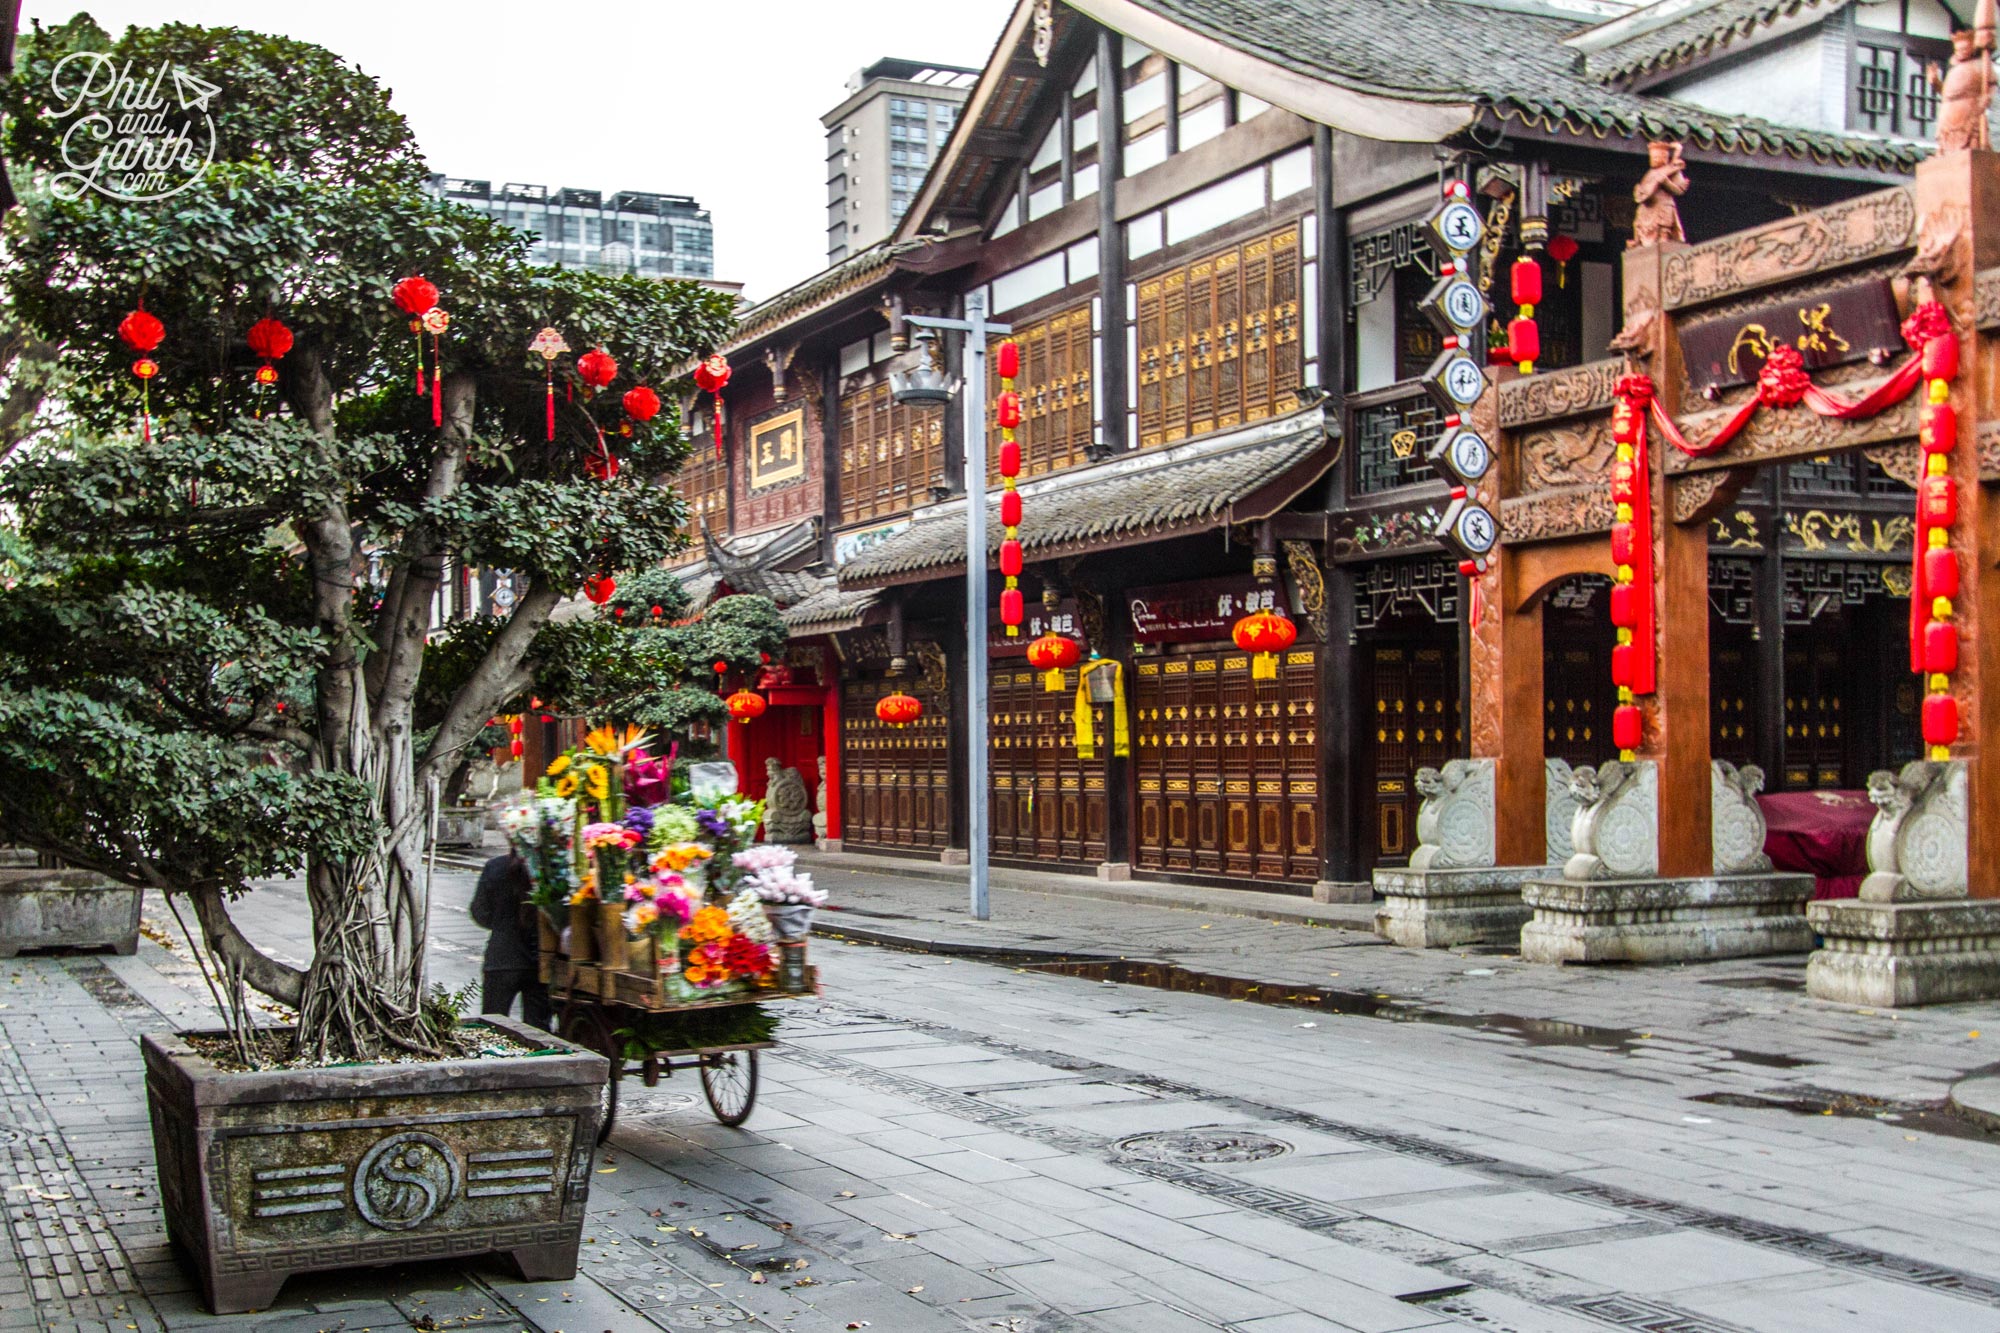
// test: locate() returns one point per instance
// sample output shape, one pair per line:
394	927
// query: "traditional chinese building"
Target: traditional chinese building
1203	220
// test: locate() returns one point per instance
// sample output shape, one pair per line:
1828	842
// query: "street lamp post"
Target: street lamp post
923	384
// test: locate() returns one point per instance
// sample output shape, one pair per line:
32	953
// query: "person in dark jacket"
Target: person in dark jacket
500	904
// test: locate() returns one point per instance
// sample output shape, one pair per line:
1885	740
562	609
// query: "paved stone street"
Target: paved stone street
948	1142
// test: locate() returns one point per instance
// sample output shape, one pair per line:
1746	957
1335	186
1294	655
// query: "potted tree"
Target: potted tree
213	650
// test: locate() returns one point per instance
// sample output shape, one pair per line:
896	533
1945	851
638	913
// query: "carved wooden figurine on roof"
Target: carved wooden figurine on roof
1658	218
1965	89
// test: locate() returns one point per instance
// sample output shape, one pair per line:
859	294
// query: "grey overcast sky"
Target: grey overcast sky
717	100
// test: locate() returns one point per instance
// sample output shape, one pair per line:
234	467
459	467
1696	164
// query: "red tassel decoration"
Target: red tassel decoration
437	394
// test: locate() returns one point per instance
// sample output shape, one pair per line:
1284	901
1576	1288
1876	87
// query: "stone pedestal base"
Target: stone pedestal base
1887	955
1435	909
1114	872
954	856
829	844
1665	920
1342	891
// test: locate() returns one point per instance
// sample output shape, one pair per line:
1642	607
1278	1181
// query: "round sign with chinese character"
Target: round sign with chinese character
1463	306
1475	529
1466	456
1459	226
1463	380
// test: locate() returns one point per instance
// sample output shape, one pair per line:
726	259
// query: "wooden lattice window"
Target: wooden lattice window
703	482
1056	423
1219	340
890	455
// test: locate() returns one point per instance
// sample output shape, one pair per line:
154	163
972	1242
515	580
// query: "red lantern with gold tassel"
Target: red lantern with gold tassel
1265	633
435	322
641	404
270	340
1051	654
596	368
712	377
1524	337
142	332
745	705
899	709
1007	415
416	297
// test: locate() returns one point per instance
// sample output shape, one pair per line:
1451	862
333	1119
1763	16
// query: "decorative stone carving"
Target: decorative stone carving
1904	461
1965	90
1987	441
1559	812
1885	955
787	817
819	803
1698	495
1664	920
1917	845
1657	221
1455	822
1736	833
1986	298
1548	515
1616	831
1545	396
1571	455
1845	233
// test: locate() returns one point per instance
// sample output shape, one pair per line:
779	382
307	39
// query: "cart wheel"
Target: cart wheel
586	1025
729	1080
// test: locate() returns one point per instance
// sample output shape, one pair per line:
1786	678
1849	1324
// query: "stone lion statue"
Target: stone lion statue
787	809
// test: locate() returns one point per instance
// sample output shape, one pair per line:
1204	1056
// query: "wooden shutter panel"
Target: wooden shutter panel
1152	356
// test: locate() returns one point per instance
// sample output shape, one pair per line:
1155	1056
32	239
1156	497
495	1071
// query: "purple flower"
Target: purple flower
640	820
713	824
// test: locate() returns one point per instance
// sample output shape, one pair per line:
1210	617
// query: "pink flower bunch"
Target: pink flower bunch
597	837
765	856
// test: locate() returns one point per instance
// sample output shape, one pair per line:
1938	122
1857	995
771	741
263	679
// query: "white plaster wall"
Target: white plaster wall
1784	81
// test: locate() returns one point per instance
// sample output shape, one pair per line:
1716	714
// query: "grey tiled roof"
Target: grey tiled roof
1511	59
1138	497
828	285
830	608
1690	31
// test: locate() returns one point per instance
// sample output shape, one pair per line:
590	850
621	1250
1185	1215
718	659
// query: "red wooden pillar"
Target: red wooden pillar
830	746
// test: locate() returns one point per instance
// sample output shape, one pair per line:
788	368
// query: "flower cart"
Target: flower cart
665	929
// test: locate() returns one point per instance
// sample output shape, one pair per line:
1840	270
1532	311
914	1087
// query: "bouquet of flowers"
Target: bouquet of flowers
713	954
541	830
659	908
788	897
672	824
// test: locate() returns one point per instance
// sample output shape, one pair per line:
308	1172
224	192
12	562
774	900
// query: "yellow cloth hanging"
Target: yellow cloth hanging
1086	742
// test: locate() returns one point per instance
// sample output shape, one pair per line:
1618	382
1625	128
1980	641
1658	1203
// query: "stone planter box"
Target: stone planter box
70	909
462	827
271	1173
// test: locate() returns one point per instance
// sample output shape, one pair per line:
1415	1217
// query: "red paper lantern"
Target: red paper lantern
1628	726
1010	458
1625	418
1940	719
1622	543
1625	605
641	404
515	748
599	588
145	368
1524	340
1940	647
141	330
1624	483
745	705
1264	632
1525	279
1010	557
596	368
1053	652
1008	360
1940	431
1937	500
415	296
720	667
1941	572
1562	249
1010	606
269	339
1623	661
1010	509
1941	358
899	709
1009	409
712	375
601	467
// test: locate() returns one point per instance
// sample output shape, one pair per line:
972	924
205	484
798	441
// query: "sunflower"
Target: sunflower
597	781
561	763
566	784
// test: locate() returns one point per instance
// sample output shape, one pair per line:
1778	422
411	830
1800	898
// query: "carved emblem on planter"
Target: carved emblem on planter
1455	821
1617	826
404	1180
1559	812
1917	844
1737	821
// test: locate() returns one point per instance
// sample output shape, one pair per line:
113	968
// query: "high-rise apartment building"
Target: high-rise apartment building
880	141
652	235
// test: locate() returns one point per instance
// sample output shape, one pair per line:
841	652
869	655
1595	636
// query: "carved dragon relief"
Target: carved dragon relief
1572	455
1559	393
1986	298
1299	558
1904	461
1833	237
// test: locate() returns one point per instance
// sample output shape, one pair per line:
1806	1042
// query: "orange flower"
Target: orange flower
710	926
